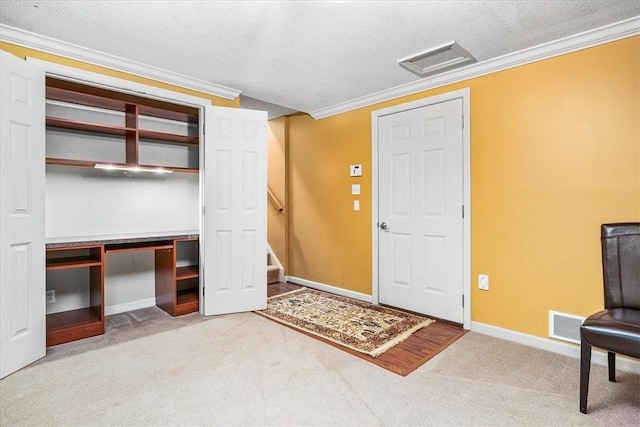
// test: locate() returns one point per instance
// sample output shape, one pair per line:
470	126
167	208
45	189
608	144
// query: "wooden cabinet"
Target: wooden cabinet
88	126
76	272
177	277
77	275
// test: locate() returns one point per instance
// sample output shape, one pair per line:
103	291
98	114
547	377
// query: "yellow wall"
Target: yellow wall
23	52
276	181
554	154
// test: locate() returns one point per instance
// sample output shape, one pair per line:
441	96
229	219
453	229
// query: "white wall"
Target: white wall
85	202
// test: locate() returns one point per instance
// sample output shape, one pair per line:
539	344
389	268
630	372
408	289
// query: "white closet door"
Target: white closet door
235	219
22	214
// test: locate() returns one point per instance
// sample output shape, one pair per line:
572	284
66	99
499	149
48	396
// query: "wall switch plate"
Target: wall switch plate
51	296
483	282
356	205
355	189
355	170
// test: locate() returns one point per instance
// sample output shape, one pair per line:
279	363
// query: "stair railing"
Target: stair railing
275	200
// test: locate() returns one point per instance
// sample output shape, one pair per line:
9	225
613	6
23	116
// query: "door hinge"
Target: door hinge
462	122
463	211
462	300
202	291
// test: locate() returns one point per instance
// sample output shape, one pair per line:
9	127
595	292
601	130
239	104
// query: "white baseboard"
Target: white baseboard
572	350
129	306
328	288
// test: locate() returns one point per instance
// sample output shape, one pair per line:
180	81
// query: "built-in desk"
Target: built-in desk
83	262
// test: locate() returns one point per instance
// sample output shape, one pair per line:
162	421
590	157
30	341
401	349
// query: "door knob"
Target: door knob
384	226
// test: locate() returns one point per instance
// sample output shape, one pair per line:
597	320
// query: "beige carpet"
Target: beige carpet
243	369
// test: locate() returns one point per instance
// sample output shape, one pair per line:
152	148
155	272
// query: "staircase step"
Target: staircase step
273	274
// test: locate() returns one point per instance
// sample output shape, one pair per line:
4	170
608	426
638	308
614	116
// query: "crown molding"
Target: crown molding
619	30
53	46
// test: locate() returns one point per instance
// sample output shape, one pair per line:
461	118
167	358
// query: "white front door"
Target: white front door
22	214
420	198
235	211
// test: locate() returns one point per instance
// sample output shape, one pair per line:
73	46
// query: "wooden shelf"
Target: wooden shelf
187	301
133	108
84	322
170	113
72	318
92	163
73	325
139	246
89	127
178	288
187	272
72	262
69	162
121	131
79	97
167	137
78	93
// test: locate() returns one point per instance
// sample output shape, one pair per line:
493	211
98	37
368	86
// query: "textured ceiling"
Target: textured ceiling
305	55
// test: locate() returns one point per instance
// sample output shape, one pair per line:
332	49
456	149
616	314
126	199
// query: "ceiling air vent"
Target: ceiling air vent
445	57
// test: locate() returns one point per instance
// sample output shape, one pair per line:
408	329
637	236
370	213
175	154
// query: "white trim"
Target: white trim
328	288
113	83
465	95
46	44
129	306
619	30
572	350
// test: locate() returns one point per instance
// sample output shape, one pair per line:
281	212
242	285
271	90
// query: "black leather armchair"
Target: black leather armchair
617	327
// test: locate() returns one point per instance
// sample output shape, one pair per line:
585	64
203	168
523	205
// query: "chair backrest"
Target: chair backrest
621	264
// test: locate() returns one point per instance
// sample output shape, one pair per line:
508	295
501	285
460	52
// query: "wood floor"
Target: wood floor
405	357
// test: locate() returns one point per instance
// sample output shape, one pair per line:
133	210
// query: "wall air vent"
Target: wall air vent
441	58
564	326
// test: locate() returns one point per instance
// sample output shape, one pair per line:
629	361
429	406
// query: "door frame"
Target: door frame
465	95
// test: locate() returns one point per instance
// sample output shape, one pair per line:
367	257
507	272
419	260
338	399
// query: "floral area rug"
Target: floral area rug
363	327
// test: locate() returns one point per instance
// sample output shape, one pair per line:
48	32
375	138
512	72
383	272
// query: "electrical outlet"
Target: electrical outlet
51	296
483	282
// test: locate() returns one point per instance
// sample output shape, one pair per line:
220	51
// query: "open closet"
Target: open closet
97	171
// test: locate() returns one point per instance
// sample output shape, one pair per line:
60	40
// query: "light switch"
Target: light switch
356	205
355	189
355	170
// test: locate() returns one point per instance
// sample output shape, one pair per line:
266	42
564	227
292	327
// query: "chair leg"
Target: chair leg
611	356
585	367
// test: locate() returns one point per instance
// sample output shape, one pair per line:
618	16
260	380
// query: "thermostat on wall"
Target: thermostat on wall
355	170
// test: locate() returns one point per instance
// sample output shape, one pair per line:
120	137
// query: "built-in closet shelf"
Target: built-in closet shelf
188	272
72	262
178	287
160	137
76	270
92	163
137	246
89	127
72	319
167	137
187	301
73	325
